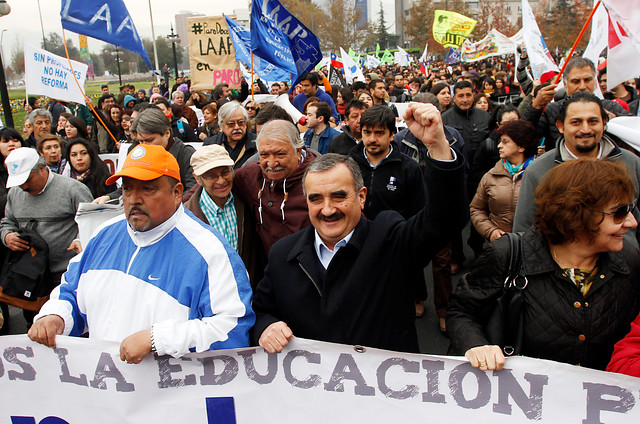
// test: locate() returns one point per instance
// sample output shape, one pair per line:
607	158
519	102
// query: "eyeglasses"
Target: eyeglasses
231	124
251	108
126	118
213	177
622	211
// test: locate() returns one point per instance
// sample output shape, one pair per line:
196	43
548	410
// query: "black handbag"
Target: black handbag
26	274
505	326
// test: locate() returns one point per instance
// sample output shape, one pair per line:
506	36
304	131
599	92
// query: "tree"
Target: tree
165	53
418	25
492	16
17	56
345	16
561	24
55	45
382	30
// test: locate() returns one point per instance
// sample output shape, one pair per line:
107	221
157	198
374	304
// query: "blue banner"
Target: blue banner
241	37
453	56
106	20
279	37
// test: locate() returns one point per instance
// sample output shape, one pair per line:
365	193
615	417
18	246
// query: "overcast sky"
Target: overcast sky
23	23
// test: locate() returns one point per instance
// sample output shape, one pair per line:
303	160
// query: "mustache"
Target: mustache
275	169
236	132
136	209
331	218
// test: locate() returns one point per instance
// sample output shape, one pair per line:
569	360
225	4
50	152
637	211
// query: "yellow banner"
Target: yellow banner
451	29
211	54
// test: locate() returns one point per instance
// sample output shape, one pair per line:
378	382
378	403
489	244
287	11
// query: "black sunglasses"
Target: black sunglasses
622	211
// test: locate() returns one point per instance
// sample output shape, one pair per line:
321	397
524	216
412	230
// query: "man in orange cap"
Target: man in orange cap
156	279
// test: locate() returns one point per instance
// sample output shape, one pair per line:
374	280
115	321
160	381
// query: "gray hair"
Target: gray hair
228	109
151	120
428	98
330	161
280	130
173	95
578	62
40	164
39	112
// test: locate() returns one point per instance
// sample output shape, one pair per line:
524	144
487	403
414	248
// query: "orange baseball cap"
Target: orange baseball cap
148	162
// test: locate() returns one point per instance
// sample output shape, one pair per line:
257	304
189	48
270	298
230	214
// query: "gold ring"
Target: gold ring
481	364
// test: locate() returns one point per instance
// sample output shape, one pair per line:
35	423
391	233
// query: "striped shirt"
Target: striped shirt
224	220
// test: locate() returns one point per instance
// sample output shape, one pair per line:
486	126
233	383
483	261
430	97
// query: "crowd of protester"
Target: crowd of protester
535	158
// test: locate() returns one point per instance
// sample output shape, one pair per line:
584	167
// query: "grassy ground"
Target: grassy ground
17	97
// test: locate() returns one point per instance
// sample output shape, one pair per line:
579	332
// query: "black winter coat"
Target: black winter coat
395	184
365	296
560	324
472	124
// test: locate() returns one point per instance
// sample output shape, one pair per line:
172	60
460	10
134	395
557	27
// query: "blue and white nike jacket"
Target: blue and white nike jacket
182	278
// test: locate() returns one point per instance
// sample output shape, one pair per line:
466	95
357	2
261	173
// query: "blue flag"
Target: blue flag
279	37
106	20
241	37
453	56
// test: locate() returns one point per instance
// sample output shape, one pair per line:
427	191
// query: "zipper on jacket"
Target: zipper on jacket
310	278
132	258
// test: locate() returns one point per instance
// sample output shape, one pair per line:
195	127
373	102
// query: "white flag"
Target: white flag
404	58
372	61
598	38
351	68
539	55
623	59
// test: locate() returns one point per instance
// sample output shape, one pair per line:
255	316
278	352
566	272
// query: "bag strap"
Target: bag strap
515	277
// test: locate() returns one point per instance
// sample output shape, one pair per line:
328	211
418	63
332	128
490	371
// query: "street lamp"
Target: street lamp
4	93
174	38
118	61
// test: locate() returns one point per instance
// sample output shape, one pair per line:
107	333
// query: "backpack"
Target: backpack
26	275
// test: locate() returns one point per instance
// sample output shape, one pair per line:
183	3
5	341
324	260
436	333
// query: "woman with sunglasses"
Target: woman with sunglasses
582	285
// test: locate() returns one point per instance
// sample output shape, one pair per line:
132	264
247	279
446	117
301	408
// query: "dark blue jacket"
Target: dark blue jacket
325	139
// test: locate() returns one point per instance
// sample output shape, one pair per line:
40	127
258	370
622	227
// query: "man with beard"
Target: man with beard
156	279
399	94
234	137
581	122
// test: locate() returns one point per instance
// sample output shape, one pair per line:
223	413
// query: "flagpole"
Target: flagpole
252	94
584	28
87	99
155	50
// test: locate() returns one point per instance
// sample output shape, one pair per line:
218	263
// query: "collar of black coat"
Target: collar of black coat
537	257
304	249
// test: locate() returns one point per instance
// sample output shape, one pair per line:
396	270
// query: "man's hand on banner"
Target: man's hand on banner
275	337
136	347
45	330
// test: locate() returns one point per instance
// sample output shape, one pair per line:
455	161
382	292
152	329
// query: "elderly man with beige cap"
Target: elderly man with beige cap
156	279
214	203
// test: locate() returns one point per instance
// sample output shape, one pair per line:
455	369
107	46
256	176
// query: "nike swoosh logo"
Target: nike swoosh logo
153	279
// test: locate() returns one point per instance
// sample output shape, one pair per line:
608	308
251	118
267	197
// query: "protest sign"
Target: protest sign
50	75
84	380
451	29
494	44
211	53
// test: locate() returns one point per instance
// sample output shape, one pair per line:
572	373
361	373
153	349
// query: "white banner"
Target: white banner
494	44
50	75
84	381
539	55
